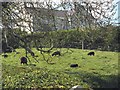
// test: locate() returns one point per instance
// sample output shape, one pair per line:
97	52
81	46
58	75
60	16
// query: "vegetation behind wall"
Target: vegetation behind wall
105	38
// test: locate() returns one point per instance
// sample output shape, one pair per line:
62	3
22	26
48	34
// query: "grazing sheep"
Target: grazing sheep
23	60
74	65
56	53
91	53
5	55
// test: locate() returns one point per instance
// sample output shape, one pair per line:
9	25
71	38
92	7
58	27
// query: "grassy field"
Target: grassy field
99	71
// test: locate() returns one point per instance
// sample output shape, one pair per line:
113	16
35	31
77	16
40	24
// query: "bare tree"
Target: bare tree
90	15
20	15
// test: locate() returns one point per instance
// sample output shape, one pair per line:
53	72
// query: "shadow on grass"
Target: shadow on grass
96	80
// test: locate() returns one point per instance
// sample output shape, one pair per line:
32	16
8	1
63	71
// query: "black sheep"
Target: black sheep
23	60
5	55
56	53
74	65
91	53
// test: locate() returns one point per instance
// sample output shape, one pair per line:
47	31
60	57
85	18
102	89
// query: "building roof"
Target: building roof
58	13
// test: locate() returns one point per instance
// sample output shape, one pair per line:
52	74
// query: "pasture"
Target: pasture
99	71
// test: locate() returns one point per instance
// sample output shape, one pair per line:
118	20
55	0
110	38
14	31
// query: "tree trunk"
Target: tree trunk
0	41
82	44
5	38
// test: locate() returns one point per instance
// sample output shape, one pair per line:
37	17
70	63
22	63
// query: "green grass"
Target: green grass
99	71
